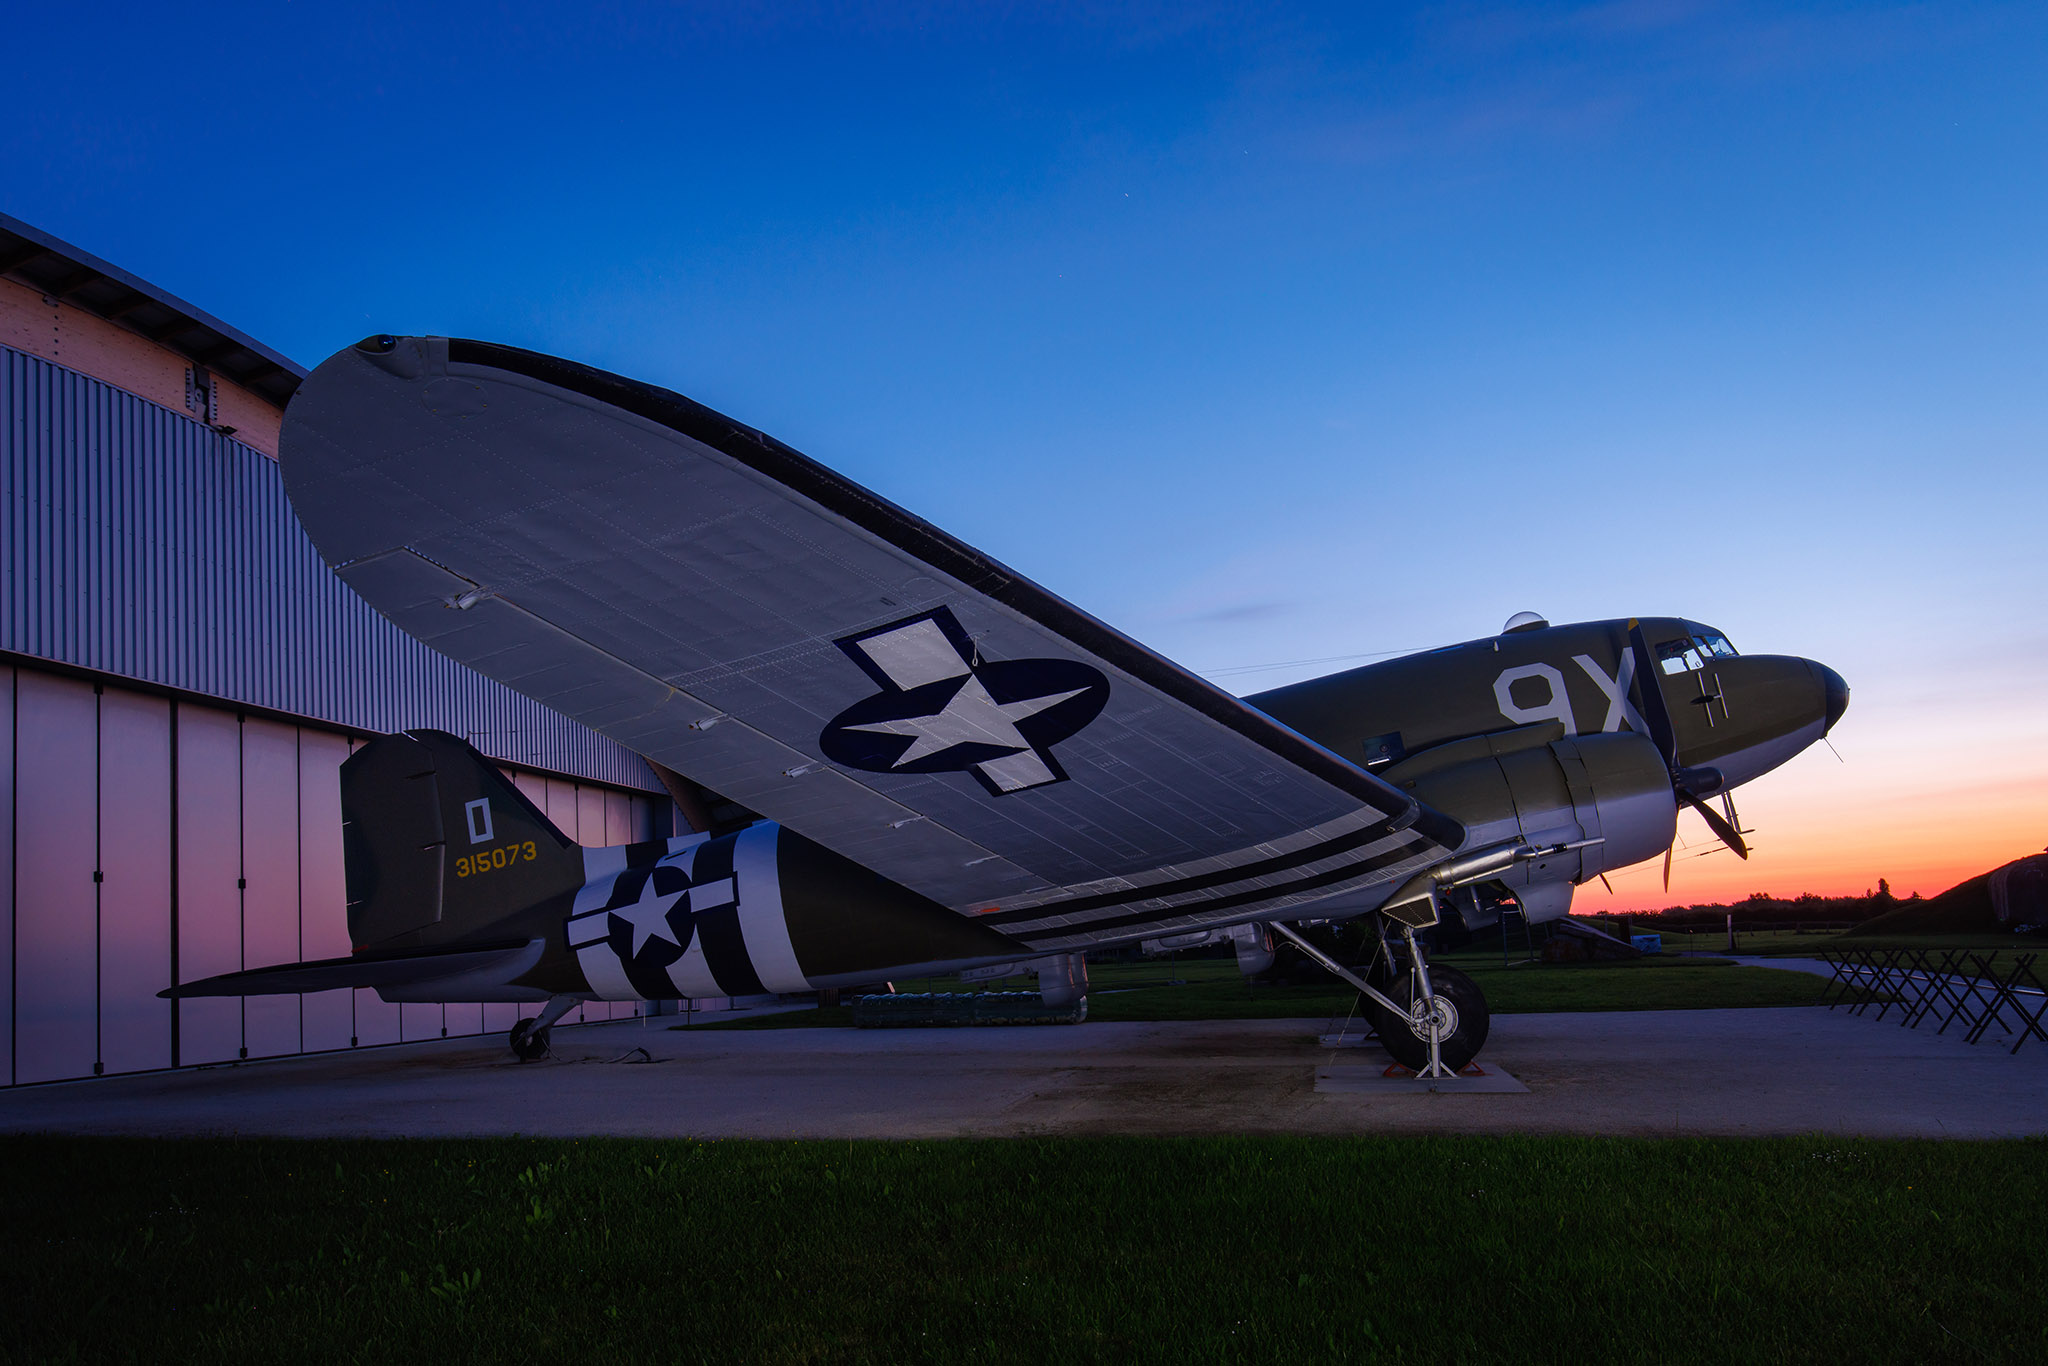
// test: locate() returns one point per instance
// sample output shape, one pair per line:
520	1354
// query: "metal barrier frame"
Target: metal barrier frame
1961	986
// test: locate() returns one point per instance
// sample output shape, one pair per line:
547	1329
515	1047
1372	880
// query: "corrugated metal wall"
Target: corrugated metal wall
139	543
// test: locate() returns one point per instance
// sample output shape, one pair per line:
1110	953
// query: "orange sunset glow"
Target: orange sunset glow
1922	797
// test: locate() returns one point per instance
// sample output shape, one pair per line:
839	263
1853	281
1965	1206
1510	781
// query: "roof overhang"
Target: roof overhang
70	276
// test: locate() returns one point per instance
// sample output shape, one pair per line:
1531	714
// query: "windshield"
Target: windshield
1678	656
1715	645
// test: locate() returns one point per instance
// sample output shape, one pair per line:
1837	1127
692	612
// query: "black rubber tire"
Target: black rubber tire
529	1044
1410	1049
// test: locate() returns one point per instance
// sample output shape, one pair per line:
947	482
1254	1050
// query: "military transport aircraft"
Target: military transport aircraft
901	757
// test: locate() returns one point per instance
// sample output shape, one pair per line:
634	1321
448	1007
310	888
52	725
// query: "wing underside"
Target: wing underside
724	605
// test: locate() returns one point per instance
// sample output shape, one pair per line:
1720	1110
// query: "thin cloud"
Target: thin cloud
1241	612
1460	80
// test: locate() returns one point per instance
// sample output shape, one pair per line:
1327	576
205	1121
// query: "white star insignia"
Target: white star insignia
649	916
970	717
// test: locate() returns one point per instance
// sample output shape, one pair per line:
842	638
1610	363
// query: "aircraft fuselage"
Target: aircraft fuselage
1742	715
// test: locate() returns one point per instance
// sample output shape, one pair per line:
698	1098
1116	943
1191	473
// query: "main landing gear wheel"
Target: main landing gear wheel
529	1040
1459	1018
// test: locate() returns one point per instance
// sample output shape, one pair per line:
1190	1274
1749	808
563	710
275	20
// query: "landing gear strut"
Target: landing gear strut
532	1036
1452	1020
1433	1020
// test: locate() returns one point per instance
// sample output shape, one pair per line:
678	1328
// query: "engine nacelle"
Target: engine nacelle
1542	787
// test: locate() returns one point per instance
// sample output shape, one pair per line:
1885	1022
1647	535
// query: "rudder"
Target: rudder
438	844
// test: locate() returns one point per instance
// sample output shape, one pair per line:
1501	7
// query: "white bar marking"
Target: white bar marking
762	927
914	655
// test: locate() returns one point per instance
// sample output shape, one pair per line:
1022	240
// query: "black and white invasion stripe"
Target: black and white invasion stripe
1351	852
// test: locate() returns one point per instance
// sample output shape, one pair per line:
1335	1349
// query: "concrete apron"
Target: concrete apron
1790	1070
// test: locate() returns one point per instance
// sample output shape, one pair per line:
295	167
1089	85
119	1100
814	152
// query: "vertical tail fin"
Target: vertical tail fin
437	844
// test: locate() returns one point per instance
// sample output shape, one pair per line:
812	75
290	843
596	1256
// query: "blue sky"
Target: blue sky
1266	334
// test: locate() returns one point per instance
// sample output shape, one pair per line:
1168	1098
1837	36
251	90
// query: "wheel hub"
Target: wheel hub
1434	1020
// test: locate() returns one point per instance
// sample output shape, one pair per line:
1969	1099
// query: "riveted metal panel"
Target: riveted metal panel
138	542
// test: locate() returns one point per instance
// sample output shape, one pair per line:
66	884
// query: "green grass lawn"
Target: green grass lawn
1775	943
1212	989
1714	938
1455	1250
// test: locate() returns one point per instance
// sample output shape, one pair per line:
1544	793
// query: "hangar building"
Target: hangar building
180	678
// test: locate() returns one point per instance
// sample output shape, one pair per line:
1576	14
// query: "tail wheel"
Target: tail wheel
528	1043
1457	1014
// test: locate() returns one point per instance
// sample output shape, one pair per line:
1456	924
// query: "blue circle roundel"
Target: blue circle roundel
941	709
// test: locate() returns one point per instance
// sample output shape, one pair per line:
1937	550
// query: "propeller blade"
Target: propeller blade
1608	885
1655	715
1667	864
1717	823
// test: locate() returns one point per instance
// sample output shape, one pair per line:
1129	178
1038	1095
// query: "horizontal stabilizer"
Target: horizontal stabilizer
499	963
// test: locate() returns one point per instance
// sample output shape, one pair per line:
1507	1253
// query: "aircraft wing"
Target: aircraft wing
716	601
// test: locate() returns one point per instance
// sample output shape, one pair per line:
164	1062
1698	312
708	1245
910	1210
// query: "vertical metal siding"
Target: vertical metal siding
143	544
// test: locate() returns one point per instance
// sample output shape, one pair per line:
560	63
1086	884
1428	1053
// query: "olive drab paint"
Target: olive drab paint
1736	712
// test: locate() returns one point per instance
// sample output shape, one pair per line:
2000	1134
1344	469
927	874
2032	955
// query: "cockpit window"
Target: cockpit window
1678	656
1714	645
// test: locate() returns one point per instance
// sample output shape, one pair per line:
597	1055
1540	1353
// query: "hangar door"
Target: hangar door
153	841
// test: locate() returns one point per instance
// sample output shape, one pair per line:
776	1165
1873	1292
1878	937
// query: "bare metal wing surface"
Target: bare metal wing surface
717	601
